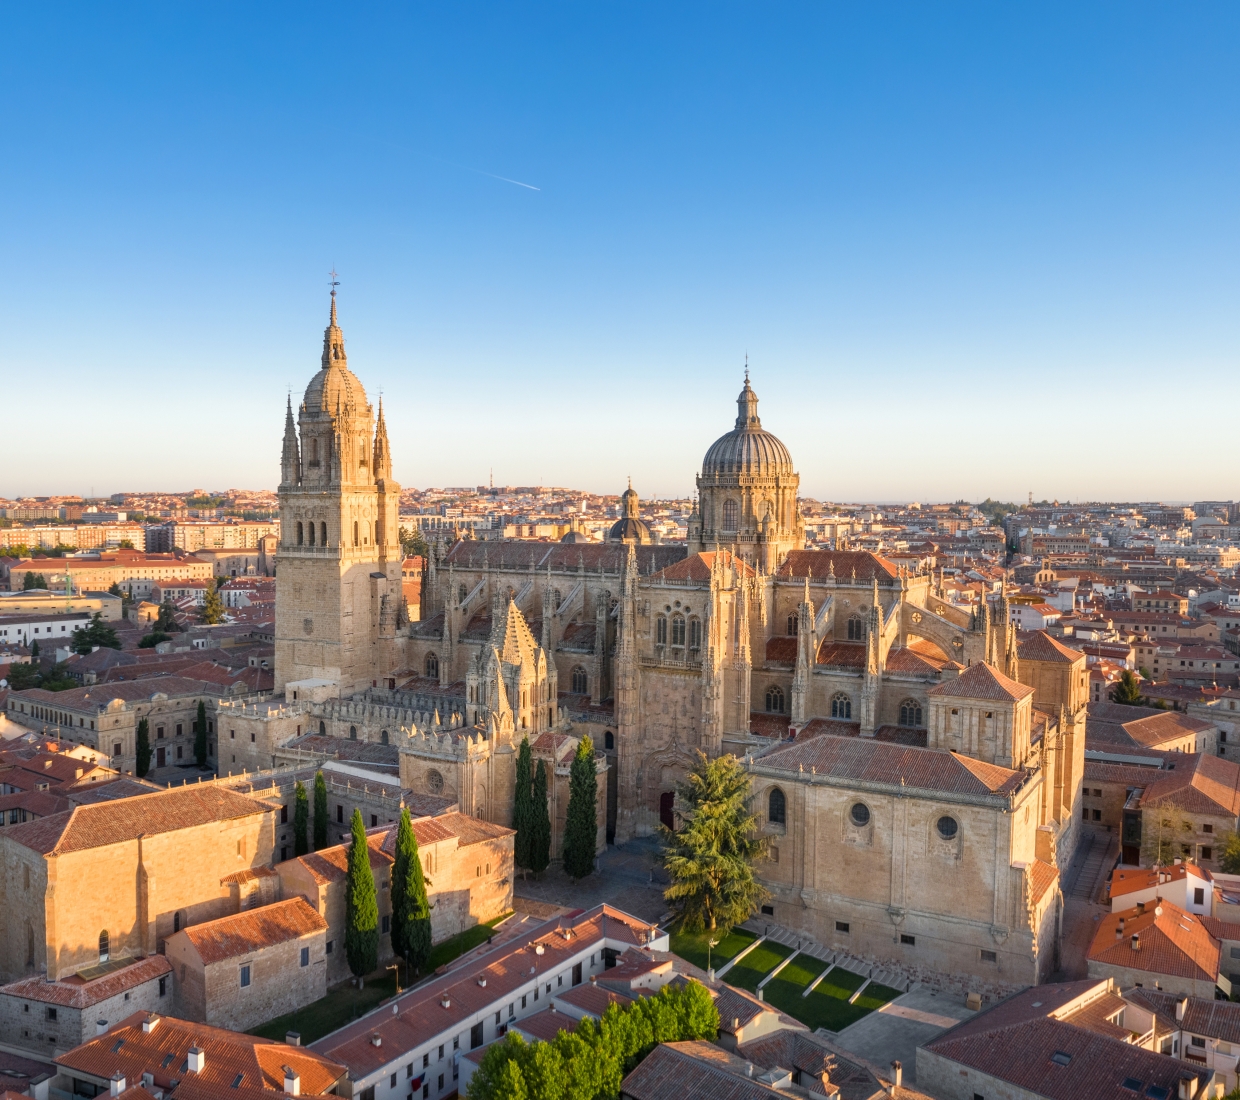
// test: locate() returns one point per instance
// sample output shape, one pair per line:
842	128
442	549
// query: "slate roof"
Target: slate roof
253	930
982	681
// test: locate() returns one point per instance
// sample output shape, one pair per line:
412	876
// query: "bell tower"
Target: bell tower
338	574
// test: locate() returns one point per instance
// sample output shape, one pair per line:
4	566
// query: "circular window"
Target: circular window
860	814
434	783
947	827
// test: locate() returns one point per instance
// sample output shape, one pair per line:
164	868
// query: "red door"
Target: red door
666	801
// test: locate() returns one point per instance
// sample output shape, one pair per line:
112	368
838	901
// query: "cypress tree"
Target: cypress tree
301	819
540	826
522	806
581	826
411	911
361	916
320	811
200	735
143	749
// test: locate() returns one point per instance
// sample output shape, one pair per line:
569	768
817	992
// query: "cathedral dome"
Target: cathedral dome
334	385
747	449
630	527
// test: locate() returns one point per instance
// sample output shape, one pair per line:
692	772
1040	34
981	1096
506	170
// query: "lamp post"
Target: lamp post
396	967
710	970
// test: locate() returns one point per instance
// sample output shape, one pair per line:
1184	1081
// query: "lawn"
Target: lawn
691	946
344	1002
828	1005
757	965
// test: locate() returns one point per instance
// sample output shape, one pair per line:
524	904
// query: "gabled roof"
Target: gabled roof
818	564
697	567
1040	646
253	930
1200	783
1130	880
982	681
1172	942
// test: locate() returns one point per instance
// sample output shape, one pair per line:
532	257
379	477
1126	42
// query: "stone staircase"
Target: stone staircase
806	946
1095	854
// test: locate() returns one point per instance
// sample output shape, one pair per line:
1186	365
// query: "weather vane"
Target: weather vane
335	280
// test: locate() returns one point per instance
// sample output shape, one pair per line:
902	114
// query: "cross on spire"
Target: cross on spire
746	361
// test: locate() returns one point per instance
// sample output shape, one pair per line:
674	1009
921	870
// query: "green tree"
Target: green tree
361	916
522	806
1165	832
411	910
301	819
320	811
142	750
1127	690
200	735
212	609
412	544
151	640
710	860
115	589
25	676
34	649
95	633
540	825
581	823
33	581
167	620
1229	854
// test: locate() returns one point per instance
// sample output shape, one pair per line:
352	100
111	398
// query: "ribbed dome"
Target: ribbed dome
334	385
634	529
747	449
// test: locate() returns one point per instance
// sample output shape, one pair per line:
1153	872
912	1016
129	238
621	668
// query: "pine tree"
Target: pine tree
142	750
213	608
361	916
581	825
522	806
200	735
1127	690
710	861
540	826
166	623
320	811
411	911
301	819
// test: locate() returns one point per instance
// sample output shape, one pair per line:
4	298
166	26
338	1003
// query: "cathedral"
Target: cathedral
916	768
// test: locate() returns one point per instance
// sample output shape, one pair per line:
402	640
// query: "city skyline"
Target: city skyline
959	249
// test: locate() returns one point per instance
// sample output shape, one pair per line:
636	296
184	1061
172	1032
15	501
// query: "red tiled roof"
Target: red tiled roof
1043	876
1172	941
781	650
1200	783
696	568
75	993
592	998
819	563
694	1071
910	661
982	681
1040	646
254	929
1128	880
841	654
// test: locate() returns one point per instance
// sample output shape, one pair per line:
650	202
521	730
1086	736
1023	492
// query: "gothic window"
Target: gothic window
432	666
678	630
300	536
352	733
323	534
581	682
660	631
559	599
609	740
314	452
103	946
776	807
461	593
695	633
310	525
730	514
322	729
176	922
792	625
856	629
910	713
841	706
355	532
775	700
383	737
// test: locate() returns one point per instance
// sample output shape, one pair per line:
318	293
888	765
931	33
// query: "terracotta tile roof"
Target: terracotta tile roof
1200	784
736	1007
819	563
1173	942
1099	1016
1128	880
75	993
781	650
694	1071
1040	646
344	748
545	1025
841	654
768	725
97	826
795	1050
16	1073
519	553
471	830
578	637
1022	1041
253	929
164	1050
696	568
1217	1019
909	661
868	760
1163	727
1131	775
1043	876
982	681
592	998
96	697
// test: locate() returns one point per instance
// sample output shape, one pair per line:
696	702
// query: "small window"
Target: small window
859	814
331	946
305	955
910	713
1207	828
660	631
841	926
51	1014
103	946
1199	896
731	512
245	976
1196	1040
1207	853
989	956
856	629
386	927
947	827
911	941
678	630
768	910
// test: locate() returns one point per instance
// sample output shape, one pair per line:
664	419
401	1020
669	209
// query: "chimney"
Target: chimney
1119	934
101	1026
150	1023
1181	1007
293	1038
749	1069
1121	924
1188	1088
1136	941
1140	907
736	1023
197	1059
117	1083
292	1082
376	1040
897	1076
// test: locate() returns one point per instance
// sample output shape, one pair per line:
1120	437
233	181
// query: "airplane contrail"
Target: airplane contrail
467	168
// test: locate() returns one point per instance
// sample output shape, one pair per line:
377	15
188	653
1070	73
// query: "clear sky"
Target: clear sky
970	249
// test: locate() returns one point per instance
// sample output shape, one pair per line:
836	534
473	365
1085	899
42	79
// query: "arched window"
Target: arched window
856	629
775	700
383	737
660	631
609	740
776	807
355	532
730	514
322	534
176	922
322	729
695	633
300	536
103	946
558	599
678	630
461	593
792	625
352	733
376	532
910	713
310	525
841	706
432	666
581	682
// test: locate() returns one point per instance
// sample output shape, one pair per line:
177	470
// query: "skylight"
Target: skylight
1060	1058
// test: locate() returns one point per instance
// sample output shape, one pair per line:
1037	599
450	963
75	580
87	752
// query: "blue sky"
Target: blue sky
970	249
